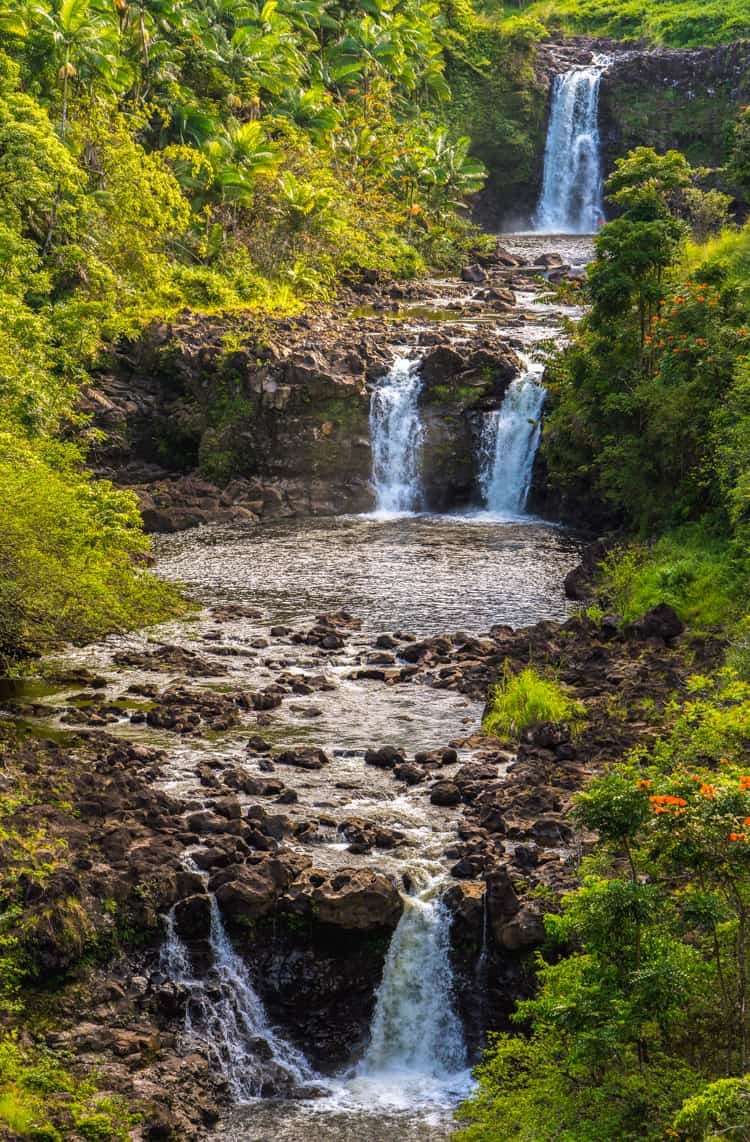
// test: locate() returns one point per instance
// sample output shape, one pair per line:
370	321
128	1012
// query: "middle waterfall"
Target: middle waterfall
571	201
396	435
508	444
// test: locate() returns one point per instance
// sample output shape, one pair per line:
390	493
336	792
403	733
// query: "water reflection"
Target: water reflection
423	573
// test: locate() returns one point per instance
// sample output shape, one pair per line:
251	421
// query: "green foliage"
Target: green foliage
41	1100
721	1110
640	1025
521	700
675	23
697	572
154	157
67	553
650	405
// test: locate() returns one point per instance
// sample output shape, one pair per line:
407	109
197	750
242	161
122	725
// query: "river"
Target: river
403	572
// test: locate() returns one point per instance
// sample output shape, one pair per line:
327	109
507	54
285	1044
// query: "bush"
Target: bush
68	553
521	700
692	570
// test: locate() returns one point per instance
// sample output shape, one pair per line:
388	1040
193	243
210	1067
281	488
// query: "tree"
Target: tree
83	41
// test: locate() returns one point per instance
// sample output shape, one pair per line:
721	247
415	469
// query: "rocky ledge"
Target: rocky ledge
240	418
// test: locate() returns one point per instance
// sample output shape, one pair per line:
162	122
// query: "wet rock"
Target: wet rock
551	831
474	274
578	583
466	903
303	758
546	735
266	700
354	899
409	772
192	917
258	744
524	931
249	893
445	793
387	757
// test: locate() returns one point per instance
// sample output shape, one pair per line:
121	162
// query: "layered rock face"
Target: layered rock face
457	387
236	420
272	425
665	99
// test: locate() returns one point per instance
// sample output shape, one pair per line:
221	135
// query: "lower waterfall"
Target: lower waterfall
416	1039
508	444
224	1012
396	435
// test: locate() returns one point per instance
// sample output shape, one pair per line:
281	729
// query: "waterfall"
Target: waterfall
508	444
225	1013
416	1038
571	201
396	435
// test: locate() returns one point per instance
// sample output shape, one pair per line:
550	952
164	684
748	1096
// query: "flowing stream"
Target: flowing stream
571	201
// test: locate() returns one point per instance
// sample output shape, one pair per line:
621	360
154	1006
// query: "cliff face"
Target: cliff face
686	100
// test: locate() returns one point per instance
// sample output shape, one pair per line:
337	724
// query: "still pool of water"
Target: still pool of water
426	574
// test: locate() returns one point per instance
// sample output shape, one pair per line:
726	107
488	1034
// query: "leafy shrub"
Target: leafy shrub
520	700
691	569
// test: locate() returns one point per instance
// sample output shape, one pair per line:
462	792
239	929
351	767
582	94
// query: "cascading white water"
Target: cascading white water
396	436
416	1041
224	1012
571	201
508	444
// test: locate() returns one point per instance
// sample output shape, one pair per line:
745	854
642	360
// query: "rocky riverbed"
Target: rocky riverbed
314	769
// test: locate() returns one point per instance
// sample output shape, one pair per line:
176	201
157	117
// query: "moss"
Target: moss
498	99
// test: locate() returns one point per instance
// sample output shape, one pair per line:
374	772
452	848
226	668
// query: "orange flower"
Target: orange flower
708	791
644	783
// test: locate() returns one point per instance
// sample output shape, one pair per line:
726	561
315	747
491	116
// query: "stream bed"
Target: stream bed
424	574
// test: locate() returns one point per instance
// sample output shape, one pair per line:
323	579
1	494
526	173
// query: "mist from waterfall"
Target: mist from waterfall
396	438
508	443
572	196
224	1012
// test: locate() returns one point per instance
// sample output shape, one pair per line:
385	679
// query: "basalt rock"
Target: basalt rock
352	899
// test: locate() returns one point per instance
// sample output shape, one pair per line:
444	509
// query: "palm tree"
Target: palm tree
82	39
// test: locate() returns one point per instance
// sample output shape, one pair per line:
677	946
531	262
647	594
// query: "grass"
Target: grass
521	700
675	23
698	574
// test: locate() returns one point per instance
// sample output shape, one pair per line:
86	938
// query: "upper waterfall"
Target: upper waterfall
508	444
572	196
396	433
